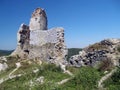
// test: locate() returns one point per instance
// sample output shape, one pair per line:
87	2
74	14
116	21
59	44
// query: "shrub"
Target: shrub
97	46
118	49
106	65
11	62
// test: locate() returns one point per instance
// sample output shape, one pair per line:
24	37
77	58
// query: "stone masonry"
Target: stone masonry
37	42
93	54
38	20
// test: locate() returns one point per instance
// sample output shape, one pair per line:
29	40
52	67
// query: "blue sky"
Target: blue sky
85	21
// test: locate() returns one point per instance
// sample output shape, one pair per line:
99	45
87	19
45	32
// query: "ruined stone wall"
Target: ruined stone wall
38	20
35	41
39	37
48	45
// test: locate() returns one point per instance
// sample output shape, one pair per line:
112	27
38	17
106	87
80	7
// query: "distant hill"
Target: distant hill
5	52
73	51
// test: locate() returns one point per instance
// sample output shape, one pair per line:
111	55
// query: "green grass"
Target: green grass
5	73
11	64
113	83
86	78
50	72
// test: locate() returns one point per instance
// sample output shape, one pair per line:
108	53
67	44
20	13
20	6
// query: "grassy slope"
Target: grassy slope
113	83
50	72
85	78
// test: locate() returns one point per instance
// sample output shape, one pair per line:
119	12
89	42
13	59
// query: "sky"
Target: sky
85	21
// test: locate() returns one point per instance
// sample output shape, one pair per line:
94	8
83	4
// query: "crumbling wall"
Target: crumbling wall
38	38
24	37
101	51
35	41
38	20
48	45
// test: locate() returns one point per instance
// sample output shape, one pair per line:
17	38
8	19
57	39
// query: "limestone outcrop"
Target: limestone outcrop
37	42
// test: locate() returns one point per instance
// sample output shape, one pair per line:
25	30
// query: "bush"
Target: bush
11	62
118	49
98	46
106	65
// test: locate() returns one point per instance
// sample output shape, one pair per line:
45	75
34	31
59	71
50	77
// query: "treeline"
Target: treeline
5	52
73	51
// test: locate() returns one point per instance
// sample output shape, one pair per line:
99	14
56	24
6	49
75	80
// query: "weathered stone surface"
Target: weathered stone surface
3	58
103	50
38	20
40	80
40	38
3	63
23	36
3	66
36	42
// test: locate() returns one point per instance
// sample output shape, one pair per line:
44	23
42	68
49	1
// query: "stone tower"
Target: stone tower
38	20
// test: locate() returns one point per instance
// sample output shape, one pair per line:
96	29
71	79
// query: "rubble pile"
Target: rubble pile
90	55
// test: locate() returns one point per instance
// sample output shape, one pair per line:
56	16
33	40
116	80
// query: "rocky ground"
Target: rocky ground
91	55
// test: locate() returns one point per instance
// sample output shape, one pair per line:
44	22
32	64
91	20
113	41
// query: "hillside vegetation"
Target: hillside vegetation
30	73
113	83
5	52
38	75
73	51
44	76
51	75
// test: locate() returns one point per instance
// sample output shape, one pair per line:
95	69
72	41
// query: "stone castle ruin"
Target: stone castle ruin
37	42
